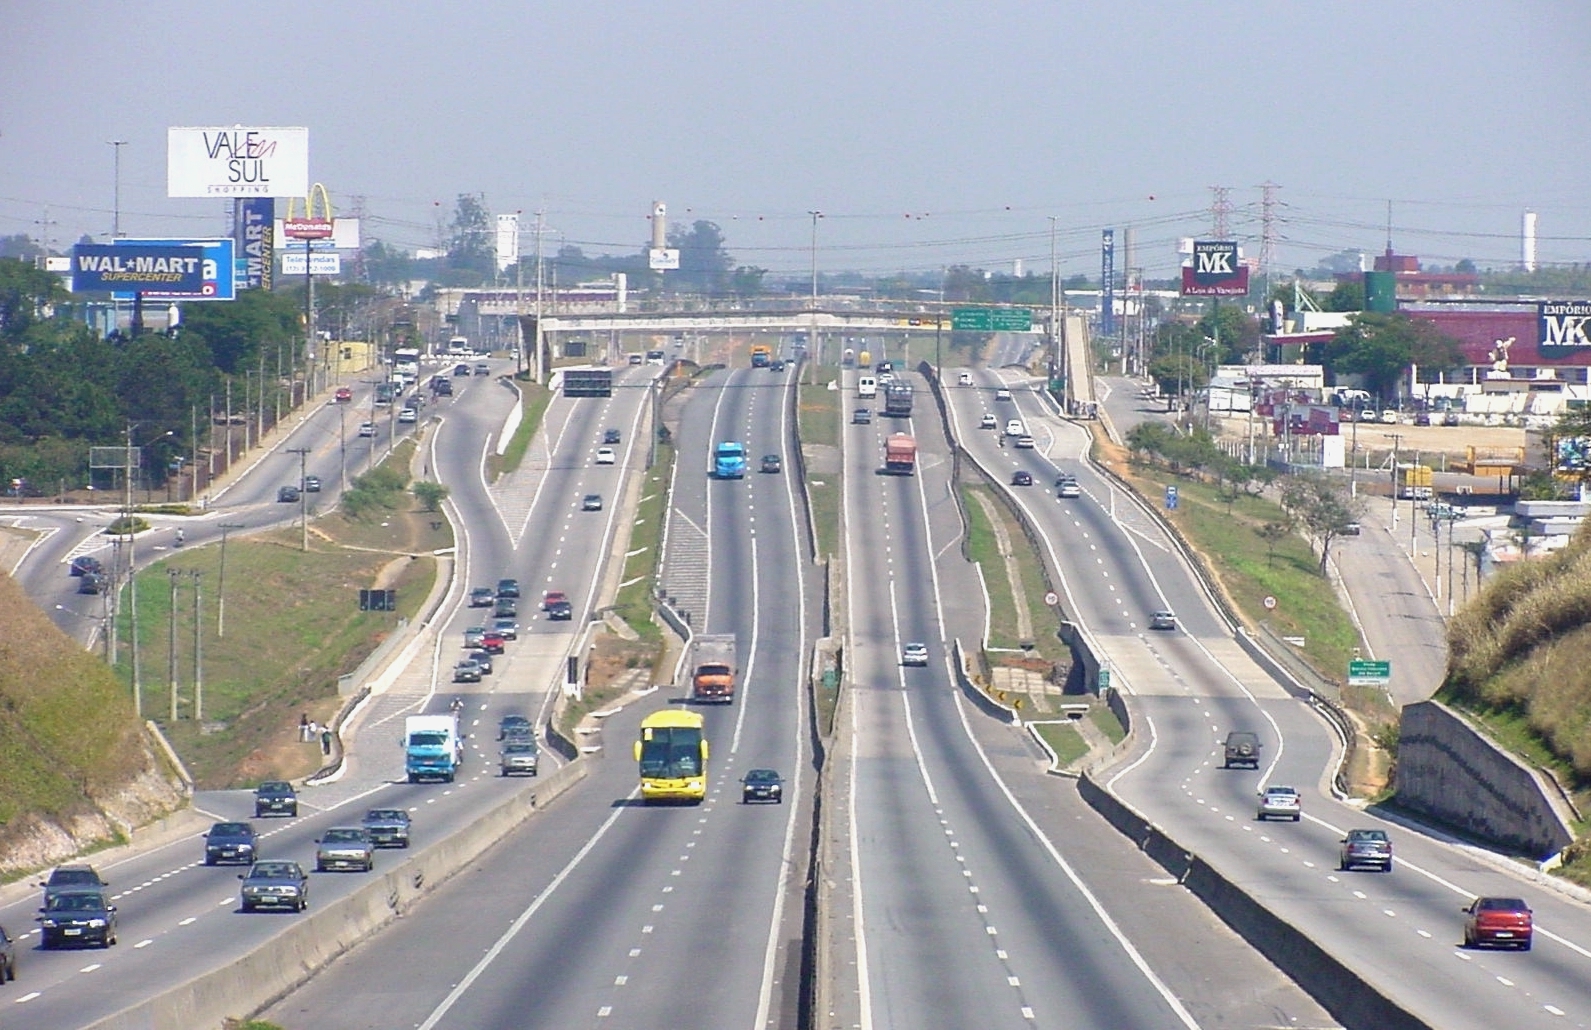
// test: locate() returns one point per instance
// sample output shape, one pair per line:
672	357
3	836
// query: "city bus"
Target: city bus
672	754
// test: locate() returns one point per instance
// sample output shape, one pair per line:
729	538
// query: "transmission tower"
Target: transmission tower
356	210
1220	212
1268	230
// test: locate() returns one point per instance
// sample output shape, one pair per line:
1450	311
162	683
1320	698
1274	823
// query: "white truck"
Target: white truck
433	747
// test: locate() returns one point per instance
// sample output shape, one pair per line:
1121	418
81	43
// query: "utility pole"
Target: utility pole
1055	306
220	590
116	216
536	370
171	642
303	503
198	651
814	348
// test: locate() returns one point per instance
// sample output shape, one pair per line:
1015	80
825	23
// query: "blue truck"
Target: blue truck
729	460
433	747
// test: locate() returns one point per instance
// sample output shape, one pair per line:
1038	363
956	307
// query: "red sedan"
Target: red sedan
1505	922
492	643
344	394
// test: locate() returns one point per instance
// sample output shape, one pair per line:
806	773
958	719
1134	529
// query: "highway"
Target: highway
1191	686
604	910
178	917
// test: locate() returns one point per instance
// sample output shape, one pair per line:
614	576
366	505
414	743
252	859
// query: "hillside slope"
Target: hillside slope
1523	648
78	768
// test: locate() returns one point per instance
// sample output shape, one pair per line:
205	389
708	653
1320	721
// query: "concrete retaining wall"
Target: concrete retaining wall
314	939
1343	992
1449	770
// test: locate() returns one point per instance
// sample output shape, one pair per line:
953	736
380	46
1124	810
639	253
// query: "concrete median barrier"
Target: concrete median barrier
315	939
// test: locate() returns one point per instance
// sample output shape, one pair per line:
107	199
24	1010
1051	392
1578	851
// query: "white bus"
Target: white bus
406	362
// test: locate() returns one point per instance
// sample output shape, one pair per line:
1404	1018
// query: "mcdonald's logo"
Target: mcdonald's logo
309	227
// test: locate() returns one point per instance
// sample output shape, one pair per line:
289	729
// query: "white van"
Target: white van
866	386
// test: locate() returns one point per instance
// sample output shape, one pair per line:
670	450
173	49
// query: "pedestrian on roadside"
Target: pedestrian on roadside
303	727
325	742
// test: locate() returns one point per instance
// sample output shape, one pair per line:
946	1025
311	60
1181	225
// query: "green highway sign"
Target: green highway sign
991	320
1369	674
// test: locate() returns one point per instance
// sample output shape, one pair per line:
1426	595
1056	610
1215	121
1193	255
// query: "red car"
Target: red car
551	598
344	394
1501	921
492	643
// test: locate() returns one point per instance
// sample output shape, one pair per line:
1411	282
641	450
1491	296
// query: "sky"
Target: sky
927	134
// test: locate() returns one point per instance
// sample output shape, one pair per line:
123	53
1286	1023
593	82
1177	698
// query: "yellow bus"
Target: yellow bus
672	754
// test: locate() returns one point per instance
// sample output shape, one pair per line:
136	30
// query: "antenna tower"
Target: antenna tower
1220	212
1268	231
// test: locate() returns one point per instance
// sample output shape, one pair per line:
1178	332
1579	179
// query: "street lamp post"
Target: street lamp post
817	350
116	211
220	590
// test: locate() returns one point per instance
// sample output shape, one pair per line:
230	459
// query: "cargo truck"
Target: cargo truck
433	747
729	460
900	455
1414	482
898	398
714	678
761	355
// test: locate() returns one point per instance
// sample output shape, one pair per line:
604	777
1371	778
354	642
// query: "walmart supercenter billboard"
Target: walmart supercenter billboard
217	270
1216	271
137	268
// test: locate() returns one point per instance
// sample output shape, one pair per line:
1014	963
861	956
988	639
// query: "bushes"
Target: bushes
380	489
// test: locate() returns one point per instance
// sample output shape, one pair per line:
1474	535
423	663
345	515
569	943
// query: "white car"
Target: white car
605	456
1024	442
367	429
1014	428
965	379
988	422
914	654
1002	394
1281	803
407	415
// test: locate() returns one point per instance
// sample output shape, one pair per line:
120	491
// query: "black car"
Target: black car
508	588
274	885
505	608
481	658
80	916
8	956
231	842
610	436
275	797
482	597
509	724
591	502
443	388
84	564
777	365
461	370
560	611
1021	477
762	785
72	877
388	827
287	495
770	463
92	583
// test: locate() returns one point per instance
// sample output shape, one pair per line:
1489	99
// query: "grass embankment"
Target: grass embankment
67	728
534	399
292	626
818	415
1067	743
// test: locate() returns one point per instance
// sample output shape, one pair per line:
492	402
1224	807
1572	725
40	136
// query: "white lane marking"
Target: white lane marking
519	922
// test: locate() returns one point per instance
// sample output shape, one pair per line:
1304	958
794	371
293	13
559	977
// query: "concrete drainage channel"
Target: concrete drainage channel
315	940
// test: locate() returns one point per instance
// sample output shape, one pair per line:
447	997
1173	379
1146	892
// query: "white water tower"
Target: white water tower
1527	241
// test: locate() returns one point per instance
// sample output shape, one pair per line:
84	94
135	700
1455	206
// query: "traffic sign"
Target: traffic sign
1363	673
991	320
1052	598
1269	602
1104	680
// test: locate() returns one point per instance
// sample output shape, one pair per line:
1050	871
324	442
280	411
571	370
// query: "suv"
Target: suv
1366	847
518	755
388	827
275	797
83	915
1242	748
230	842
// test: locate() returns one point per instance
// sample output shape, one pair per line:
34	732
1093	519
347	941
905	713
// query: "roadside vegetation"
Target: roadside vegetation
275	600
818	418
534	399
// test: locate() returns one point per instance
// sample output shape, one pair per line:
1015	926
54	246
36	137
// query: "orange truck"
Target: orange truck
714	679
900	455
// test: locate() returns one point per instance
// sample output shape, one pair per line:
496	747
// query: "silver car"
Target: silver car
518	757
1280	803
345	847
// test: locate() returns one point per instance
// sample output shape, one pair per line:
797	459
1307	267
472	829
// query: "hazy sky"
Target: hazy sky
927	133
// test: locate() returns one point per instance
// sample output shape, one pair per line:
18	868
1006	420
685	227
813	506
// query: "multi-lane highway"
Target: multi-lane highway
1191	686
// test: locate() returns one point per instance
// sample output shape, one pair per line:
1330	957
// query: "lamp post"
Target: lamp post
817	351
220	590
116	211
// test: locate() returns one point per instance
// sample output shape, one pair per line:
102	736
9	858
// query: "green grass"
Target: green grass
534	408
818	412
1108	724
984	548
1064	740
634	603
1225	534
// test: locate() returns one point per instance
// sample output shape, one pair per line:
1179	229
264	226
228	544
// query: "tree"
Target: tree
704	264
1568	444
25	294
1382	347
1273	533
471	243
1348	295
237	333
1239	337
747	281
429	494
387	266
1323	507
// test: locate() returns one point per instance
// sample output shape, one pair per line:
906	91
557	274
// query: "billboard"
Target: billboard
507	241
1563	327
137	268
321	262
1215	271
217	272
344	236
1107	279
257	240
237	161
